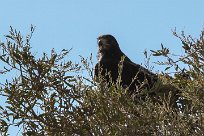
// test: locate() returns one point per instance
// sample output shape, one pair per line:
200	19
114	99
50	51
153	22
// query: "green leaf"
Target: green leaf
167	68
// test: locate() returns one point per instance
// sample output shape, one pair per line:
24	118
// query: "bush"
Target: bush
50	96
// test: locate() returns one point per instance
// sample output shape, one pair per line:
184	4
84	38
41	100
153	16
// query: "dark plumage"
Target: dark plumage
132	75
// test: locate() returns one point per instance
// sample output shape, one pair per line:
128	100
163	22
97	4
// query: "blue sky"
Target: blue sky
137	24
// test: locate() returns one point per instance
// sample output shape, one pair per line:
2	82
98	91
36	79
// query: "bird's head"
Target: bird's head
107	44
109	48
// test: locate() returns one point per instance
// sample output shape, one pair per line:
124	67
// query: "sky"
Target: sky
136	24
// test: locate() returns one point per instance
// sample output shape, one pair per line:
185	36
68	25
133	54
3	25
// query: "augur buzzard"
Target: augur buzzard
132	75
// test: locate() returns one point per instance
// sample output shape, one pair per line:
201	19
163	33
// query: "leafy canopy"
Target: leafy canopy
50	96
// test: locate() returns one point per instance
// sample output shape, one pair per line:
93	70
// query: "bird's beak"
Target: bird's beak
100	42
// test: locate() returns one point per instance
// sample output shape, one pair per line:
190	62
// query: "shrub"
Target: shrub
50	96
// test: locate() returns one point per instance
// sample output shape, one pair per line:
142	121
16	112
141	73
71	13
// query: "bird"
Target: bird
112	62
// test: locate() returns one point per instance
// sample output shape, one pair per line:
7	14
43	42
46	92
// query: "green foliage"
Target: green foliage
50	96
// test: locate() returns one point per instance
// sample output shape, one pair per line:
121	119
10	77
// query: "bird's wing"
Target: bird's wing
130	71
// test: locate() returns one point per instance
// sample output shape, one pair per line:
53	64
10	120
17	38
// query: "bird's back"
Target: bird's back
132	75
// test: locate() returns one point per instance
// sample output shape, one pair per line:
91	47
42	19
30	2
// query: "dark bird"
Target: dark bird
133	76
